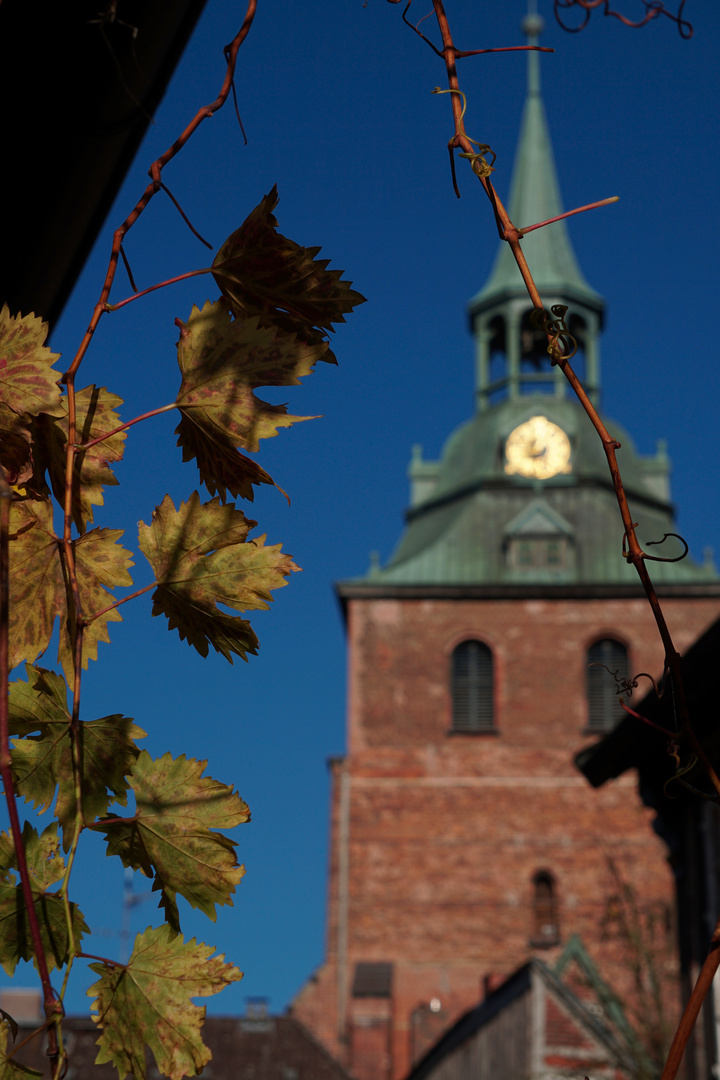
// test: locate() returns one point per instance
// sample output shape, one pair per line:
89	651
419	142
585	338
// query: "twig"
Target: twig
692	1009
128	271
81	447
111	607
569	213
185	218
159	285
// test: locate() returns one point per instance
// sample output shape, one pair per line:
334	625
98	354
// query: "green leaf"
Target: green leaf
42	700
201	558
46	866
148	1002
99	561
257	267
37	584
9	1069
222	360
43	762
38	591
94	415
28	381
170	835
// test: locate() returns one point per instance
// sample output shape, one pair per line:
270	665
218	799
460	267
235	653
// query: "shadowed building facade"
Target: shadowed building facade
463	839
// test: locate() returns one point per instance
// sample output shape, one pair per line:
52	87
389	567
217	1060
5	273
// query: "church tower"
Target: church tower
482	658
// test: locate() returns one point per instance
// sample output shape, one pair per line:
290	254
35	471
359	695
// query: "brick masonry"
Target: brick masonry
436	837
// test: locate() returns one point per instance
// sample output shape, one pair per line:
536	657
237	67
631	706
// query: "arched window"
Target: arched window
546	931
607	666
472	687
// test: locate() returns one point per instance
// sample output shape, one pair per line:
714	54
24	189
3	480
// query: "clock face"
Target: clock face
538	449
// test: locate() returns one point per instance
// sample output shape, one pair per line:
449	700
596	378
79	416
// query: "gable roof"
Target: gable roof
521	983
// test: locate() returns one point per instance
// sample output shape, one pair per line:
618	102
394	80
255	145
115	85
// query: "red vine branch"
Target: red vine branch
692	1009
76	619
152	288
49	1000
633	552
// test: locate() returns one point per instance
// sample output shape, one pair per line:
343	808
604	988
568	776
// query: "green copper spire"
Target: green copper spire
478	522
535	196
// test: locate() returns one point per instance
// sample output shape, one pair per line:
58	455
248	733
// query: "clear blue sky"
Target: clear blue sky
335	98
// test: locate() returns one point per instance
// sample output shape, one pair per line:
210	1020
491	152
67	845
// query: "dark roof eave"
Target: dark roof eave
128	67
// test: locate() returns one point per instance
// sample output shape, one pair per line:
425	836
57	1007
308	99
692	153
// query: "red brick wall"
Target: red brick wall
447	831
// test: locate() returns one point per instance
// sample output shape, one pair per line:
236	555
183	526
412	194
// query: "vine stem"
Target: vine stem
49	1001
80	447
113	821
111	607
644	719
76	622
692	1009
159	285
155	185
100	308
79	824
569	213
634	553
101	959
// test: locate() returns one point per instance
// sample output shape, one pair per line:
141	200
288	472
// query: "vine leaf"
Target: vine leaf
46	866
43	762
28	381
9	1069
170	835
259	269
37	585
221	466
148	1002
201	558
222	360
95	415
99	561
15	446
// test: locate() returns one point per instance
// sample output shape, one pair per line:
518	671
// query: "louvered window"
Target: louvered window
472	687
607	667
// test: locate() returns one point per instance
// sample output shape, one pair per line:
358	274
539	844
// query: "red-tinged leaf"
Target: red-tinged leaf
95	416
28	380
170	836
99	561
43	762
201	557
37	585
46	867
149	1002
259	267
15	447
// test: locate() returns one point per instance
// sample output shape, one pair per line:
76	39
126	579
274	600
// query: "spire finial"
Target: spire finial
533	26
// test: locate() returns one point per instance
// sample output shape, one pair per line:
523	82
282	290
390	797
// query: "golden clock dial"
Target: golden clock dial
537	449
